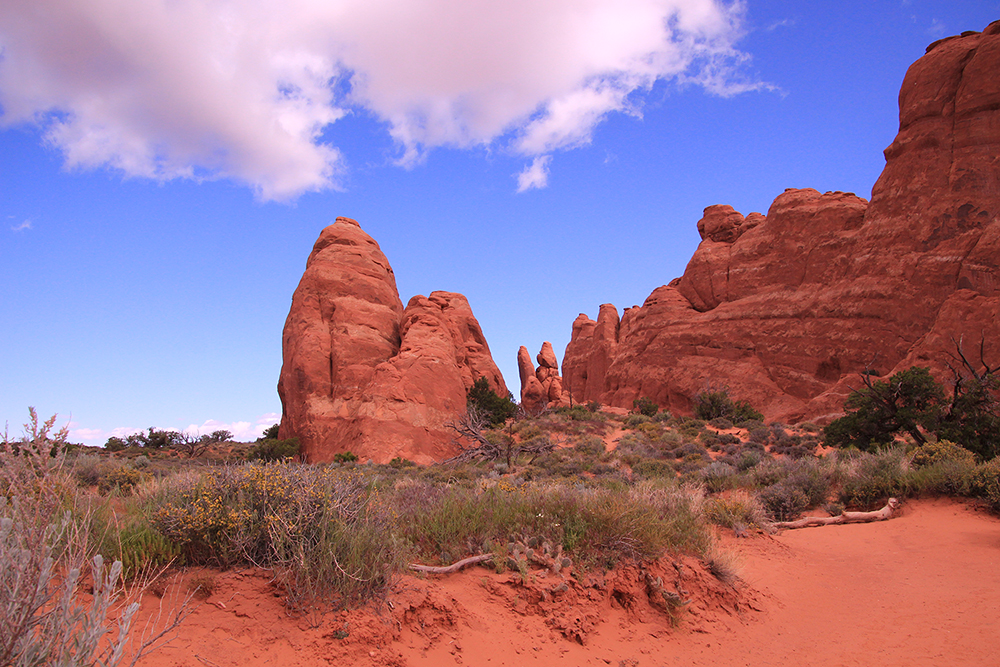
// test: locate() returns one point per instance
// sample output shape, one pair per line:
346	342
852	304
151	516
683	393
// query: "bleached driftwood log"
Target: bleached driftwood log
845	517
454	567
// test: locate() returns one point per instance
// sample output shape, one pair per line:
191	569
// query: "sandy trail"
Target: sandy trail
920	589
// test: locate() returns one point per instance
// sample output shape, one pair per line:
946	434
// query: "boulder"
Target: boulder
786	309
362	374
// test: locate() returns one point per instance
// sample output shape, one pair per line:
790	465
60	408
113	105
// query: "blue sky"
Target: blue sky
154	222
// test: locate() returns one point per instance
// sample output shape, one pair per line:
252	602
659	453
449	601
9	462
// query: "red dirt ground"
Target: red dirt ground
919	589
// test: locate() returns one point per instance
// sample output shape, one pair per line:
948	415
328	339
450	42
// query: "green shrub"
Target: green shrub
943	450
721	423
487	403
984	482
713	404
645	406
654	469
635	419
345	457
274	450
270	433
121	479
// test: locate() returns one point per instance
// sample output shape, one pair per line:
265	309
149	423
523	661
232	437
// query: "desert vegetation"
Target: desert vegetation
598	488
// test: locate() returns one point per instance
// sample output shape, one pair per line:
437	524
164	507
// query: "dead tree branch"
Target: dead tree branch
845	517
454	567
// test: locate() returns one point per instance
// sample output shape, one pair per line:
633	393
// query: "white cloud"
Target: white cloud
21	227
535	175
86	434
243	89
242	431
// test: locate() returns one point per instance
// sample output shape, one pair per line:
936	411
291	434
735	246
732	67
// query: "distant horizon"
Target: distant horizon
166	167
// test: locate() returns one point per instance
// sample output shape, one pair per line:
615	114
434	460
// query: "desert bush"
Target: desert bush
325	530
727	439
527	429
645	406
718	476
871	479
784	501
984	483
351	457
760	435
745	459
766	472
87	469
636	419
715	403
589	445
750	424
579	413
120	479
653	469
811	477
946	477
274	450
593	525
722	423
931	453
43	548
737	509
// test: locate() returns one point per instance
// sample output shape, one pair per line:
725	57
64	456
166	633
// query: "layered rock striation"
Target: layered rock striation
786	309
360	372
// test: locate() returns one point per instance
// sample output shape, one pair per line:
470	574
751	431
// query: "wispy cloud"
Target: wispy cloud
219	89
937	29
783	23
21	227
535	175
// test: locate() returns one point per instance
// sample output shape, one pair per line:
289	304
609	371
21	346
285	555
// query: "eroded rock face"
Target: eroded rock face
786	309
362	374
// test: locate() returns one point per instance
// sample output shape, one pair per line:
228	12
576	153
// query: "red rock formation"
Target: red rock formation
363	374
542	387
787	309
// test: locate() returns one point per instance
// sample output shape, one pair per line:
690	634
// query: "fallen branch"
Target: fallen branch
845	517
454	567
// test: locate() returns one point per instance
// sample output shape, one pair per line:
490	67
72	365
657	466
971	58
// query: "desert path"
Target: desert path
919	589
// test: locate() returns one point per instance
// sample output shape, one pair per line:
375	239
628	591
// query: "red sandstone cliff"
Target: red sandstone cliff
787	309
360	373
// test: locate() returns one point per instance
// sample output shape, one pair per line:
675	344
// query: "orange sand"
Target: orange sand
919	589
